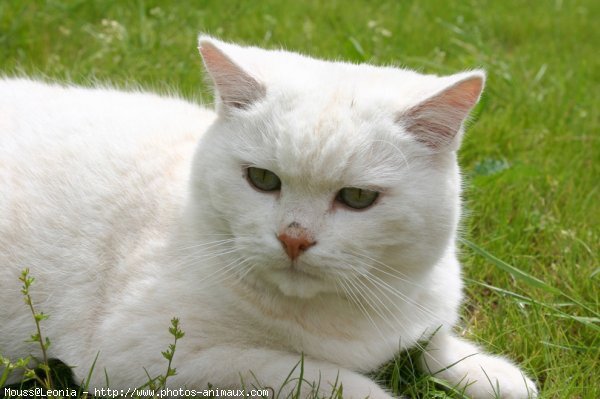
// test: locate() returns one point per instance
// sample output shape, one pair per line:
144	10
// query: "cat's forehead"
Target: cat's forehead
336	82
335	121
323	140
286	71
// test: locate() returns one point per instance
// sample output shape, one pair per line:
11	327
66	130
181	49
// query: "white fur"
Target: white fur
124	227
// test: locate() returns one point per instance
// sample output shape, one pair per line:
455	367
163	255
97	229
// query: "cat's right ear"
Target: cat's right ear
438	120
234	87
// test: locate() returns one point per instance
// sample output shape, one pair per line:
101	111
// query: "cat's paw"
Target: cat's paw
494	377
331	382
482	376
349	384
353	390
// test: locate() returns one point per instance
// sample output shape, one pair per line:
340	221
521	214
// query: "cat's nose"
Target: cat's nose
295	240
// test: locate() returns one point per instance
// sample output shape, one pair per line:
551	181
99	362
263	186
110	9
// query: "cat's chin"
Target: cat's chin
294	282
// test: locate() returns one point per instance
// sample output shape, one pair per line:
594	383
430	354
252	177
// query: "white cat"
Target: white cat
314	212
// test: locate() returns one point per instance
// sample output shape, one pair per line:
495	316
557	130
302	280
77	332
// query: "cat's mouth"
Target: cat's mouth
303	277
295	270
298	280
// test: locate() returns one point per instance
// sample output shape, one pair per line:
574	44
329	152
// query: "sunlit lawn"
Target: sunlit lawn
531	157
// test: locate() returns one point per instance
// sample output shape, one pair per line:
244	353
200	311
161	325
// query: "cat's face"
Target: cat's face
318	180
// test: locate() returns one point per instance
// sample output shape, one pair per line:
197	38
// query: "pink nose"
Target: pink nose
295	240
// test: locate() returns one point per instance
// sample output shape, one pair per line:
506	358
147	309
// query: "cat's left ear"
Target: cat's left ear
234	86
438	120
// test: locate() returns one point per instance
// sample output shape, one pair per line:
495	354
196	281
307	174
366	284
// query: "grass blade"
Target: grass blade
526	277
515	272
591	322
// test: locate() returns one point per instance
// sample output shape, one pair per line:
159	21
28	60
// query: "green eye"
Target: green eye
263	179
357	198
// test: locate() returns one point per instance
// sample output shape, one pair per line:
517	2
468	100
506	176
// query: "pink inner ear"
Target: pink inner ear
436	121
215	60
233	85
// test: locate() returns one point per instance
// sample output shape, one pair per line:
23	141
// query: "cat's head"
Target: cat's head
318	172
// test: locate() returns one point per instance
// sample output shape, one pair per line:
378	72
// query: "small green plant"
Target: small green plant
169	353
40	376
160	382
10	367
46	379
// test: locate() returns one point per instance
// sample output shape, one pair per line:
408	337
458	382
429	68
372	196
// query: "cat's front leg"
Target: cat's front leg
227	367
467	366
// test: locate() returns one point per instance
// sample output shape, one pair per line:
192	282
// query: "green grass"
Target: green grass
531	157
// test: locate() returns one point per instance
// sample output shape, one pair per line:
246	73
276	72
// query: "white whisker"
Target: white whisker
405	298
393	272
222	271
359	303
